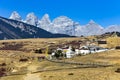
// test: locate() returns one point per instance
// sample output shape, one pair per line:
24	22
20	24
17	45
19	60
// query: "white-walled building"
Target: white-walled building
77	51
91	49
69	52
84	50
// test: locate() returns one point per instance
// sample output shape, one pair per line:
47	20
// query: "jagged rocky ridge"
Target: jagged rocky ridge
16	29
65	25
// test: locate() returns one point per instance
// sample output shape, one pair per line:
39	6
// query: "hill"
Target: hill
12	29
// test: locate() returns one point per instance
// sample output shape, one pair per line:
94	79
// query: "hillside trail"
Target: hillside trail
30	76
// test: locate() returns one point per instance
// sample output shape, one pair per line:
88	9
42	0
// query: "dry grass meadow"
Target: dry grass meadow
12	50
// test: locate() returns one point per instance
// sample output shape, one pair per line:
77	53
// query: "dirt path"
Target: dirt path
30	76
32	68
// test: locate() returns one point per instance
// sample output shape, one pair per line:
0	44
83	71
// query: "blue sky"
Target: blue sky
104	12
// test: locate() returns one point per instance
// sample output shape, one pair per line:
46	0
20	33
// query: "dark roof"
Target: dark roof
102	42
74	43
117	47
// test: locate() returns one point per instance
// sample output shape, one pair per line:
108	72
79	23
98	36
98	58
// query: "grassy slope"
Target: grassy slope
108	73
112	57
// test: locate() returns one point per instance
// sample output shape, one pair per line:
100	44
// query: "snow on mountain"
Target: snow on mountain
63	25
113	28
79	31
15	16
12	29
31	19
1	32
91	28
45	22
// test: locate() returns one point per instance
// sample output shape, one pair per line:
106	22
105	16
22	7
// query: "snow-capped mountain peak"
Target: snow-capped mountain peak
92	28
46	16
113	28
31	19
63	20
91	22
45	22
15	16
31	15
45	19
65	25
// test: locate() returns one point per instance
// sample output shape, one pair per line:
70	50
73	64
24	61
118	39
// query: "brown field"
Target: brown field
13	50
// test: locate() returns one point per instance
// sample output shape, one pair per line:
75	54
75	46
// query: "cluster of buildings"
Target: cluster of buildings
88	47
71	51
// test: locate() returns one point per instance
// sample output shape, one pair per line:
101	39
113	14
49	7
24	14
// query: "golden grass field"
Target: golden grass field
45	70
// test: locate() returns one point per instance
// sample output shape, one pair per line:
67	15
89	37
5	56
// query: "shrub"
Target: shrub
118	70
70	74
38	51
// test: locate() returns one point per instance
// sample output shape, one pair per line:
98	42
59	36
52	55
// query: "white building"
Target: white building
69	52
91	49
77	51
84	50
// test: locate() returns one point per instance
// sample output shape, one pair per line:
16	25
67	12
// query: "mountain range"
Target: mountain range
17	29
65	25
32	27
